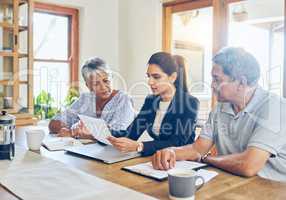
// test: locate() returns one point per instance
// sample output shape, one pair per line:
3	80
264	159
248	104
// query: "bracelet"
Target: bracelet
140	147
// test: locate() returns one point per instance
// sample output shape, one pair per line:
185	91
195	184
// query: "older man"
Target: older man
247	127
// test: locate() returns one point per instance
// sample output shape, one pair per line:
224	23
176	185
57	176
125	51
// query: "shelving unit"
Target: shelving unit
16	19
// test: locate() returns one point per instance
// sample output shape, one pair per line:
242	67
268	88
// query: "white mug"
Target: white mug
35	139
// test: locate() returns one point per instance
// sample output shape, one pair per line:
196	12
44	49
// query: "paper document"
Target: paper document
146	169
206	174
31	176
60	143
97	127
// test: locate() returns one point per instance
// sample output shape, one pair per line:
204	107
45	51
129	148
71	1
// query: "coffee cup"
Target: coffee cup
35	139
183	183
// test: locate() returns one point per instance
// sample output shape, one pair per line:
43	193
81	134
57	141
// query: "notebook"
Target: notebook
105	153
60	143
147	170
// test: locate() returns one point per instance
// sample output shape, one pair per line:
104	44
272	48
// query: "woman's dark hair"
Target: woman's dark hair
170	64
180	60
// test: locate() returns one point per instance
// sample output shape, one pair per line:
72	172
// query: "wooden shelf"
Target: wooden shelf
21	2
23	119
6	25
6	54
23	28
23	55
7	2
10	54
9	110
23	82
11	82
10	2
10	27
6	82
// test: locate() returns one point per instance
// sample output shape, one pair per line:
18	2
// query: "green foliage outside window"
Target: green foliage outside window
43	103
43	108
71	97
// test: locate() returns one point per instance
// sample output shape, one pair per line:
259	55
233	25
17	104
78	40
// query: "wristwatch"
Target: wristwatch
204	157
140	147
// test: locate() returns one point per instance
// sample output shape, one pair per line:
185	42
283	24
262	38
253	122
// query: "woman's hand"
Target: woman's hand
79	130
64	132
55	126
123	144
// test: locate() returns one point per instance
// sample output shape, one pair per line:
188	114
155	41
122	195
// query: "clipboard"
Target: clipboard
146	169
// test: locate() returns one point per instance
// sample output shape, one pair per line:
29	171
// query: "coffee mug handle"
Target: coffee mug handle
201	185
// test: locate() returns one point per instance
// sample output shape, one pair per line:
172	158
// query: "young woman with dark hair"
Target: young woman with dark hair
169	114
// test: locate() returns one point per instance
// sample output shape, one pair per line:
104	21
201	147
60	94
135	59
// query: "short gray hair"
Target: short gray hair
236	63
92	65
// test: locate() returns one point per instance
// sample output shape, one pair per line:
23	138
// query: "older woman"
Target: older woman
113	106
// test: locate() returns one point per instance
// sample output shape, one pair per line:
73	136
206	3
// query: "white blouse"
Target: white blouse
160	114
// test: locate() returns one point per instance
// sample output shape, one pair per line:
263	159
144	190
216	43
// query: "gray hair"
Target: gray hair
237	63
92	65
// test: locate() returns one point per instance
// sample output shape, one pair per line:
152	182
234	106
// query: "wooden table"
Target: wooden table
224	186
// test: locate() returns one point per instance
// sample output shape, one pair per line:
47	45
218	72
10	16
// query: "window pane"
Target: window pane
53	78
6	92
50	36
258	26
23	42
23	69
23	98
6	11
6	36
192	39
6	68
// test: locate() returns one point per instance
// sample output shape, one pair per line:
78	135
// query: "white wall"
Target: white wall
139	37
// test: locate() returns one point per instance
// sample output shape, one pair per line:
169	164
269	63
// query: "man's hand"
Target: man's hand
123	144
164	159
247	163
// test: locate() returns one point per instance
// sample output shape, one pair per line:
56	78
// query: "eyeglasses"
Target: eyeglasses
219	82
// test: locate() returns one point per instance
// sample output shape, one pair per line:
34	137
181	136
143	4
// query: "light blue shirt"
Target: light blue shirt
118	113
262	124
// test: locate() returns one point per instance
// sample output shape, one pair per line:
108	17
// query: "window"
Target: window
197	29
55	50
258	26
193	41
189	36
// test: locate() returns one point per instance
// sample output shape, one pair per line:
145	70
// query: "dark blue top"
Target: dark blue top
177	127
